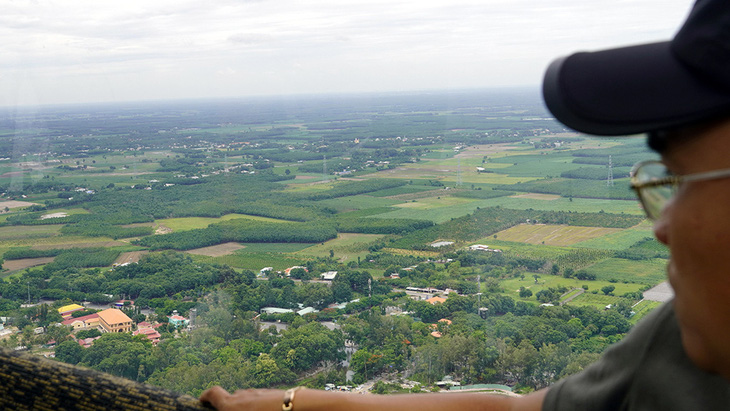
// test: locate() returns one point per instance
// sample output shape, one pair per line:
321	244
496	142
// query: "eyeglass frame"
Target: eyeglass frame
671	180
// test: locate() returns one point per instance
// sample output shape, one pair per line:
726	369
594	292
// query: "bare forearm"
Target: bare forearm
311	400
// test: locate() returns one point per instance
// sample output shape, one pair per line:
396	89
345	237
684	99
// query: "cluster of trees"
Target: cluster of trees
17	253
84	257
102	229
528	345
595	173
580	188
156	275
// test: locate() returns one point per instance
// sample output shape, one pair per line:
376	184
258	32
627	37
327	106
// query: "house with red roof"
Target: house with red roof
149	333
82	323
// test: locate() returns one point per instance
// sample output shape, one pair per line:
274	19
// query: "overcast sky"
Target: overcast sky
90	50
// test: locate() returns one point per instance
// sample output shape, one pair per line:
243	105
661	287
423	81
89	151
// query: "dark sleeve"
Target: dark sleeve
605	385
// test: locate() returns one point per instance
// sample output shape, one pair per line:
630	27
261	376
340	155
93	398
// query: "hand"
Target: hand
253	400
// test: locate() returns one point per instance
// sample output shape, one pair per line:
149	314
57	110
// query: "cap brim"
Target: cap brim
629	90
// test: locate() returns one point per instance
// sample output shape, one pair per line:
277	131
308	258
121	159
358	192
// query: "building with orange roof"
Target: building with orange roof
436	300
113	320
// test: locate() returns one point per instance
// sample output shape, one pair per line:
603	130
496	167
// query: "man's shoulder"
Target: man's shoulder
643	371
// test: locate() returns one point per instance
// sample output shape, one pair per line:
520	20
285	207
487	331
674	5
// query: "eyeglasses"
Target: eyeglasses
655	185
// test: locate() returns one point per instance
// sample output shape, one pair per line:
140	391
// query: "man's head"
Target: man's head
647	87
679	93
695	225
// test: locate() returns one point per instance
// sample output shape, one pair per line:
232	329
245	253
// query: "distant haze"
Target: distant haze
88	51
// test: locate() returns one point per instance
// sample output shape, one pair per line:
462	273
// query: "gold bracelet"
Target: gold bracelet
289	398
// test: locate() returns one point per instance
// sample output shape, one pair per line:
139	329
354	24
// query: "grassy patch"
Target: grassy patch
15	233
582	205
648	272
253	261
407	189
191	223
434	202
511	288
559	235
643	308
450	209
345	246
273	247
357	202
620	240
599	300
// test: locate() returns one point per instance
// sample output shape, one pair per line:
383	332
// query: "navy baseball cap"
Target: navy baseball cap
648	87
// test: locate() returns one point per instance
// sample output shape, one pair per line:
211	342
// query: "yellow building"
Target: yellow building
85	322
113	320
66	310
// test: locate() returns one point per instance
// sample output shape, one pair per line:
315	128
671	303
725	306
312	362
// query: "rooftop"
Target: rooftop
436	300
114	316
84	318
70	307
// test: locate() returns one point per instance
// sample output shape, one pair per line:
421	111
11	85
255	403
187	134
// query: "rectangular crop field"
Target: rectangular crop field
273	247
190	223
357	202
395	191
450	209
558	235
254	261
650	272
581	205
599	300
15	233
620	240
547	252
345	246
643	308
545	281
217	250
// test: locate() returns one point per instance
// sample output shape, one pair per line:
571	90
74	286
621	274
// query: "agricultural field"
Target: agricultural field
566	203
643	308
19	235
647	272
619	240
537	251
552	234
357	202
436	209
12	266
253	261
191	223
217	250
511	287
346	247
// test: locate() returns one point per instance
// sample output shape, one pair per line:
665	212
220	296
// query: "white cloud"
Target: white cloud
183	48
